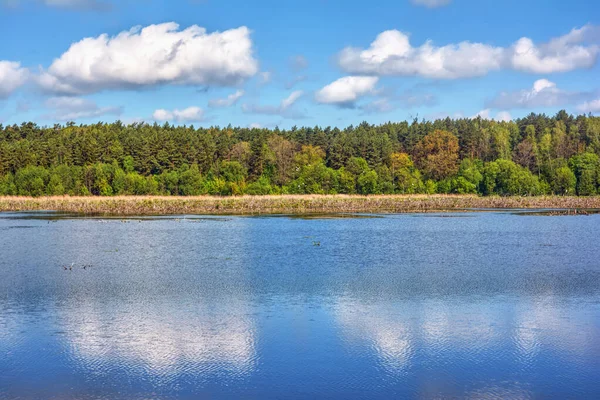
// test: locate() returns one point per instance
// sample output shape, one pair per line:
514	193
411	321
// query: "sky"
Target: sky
268	63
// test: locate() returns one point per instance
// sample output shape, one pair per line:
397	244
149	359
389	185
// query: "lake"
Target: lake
461	305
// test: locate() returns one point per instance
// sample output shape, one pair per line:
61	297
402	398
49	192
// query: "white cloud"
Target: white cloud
345	91
228	101
392	54
504	116
190	114
592	106
12	76
291	99
543	94
431	3
153	55
562	54
487	114
282	109
74	108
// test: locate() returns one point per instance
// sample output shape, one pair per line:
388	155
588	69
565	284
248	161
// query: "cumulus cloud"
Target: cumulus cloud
153	55
74	108
543	94
592	106
283	109
431	3
562	54
347	90
392	54
228	101
12	76
190	114
487	114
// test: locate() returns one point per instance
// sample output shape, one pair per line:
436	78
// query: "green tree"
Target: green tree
585	166
563	181
190	181
367	182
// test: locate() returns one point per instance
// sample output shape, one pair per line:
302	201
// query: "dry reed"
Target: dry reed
288	204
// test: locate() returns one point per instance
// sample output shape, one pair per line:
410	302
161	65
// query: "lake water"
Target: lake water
478	305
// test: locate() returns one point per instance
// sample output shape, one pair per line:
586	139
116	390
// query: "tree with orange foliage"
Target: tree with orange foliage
437	154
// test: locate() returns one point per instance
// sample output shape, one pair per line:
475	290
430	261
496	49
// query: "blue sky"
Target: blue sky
313	62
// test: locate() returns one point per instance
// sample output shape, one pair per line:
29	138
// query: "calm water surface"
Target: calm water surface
485	305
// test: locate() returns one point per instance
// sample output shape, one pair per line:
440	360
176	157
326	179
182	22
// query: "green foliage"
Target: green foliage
504	177
128	164
523	157
31	181
467	181
168	183
406	178
357	166
190	181
458	185
385	182
233	171
55	186
346	181
563	181
586	166
367	183
430	187
470	170
7	185
262	186
315	179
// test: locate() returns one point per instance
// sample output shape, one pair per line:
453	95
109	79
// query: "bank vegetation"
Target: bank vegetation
290	204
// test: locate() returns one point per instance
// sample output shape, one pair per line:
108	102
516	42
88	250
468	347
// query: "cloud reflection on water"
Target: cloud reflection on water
430	332
162	339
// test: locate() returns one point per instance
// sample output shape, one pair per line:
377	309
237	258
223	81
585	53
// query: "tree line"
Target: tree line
535	155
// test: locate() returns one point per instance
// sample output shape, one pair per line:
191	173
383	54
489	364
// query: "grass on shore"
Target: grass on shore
288	204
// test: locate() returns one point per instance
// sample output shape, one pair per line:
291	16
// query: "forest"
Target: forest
535	155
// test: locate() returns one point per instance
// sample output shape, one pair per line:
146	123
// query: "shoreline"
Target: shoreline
289	204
